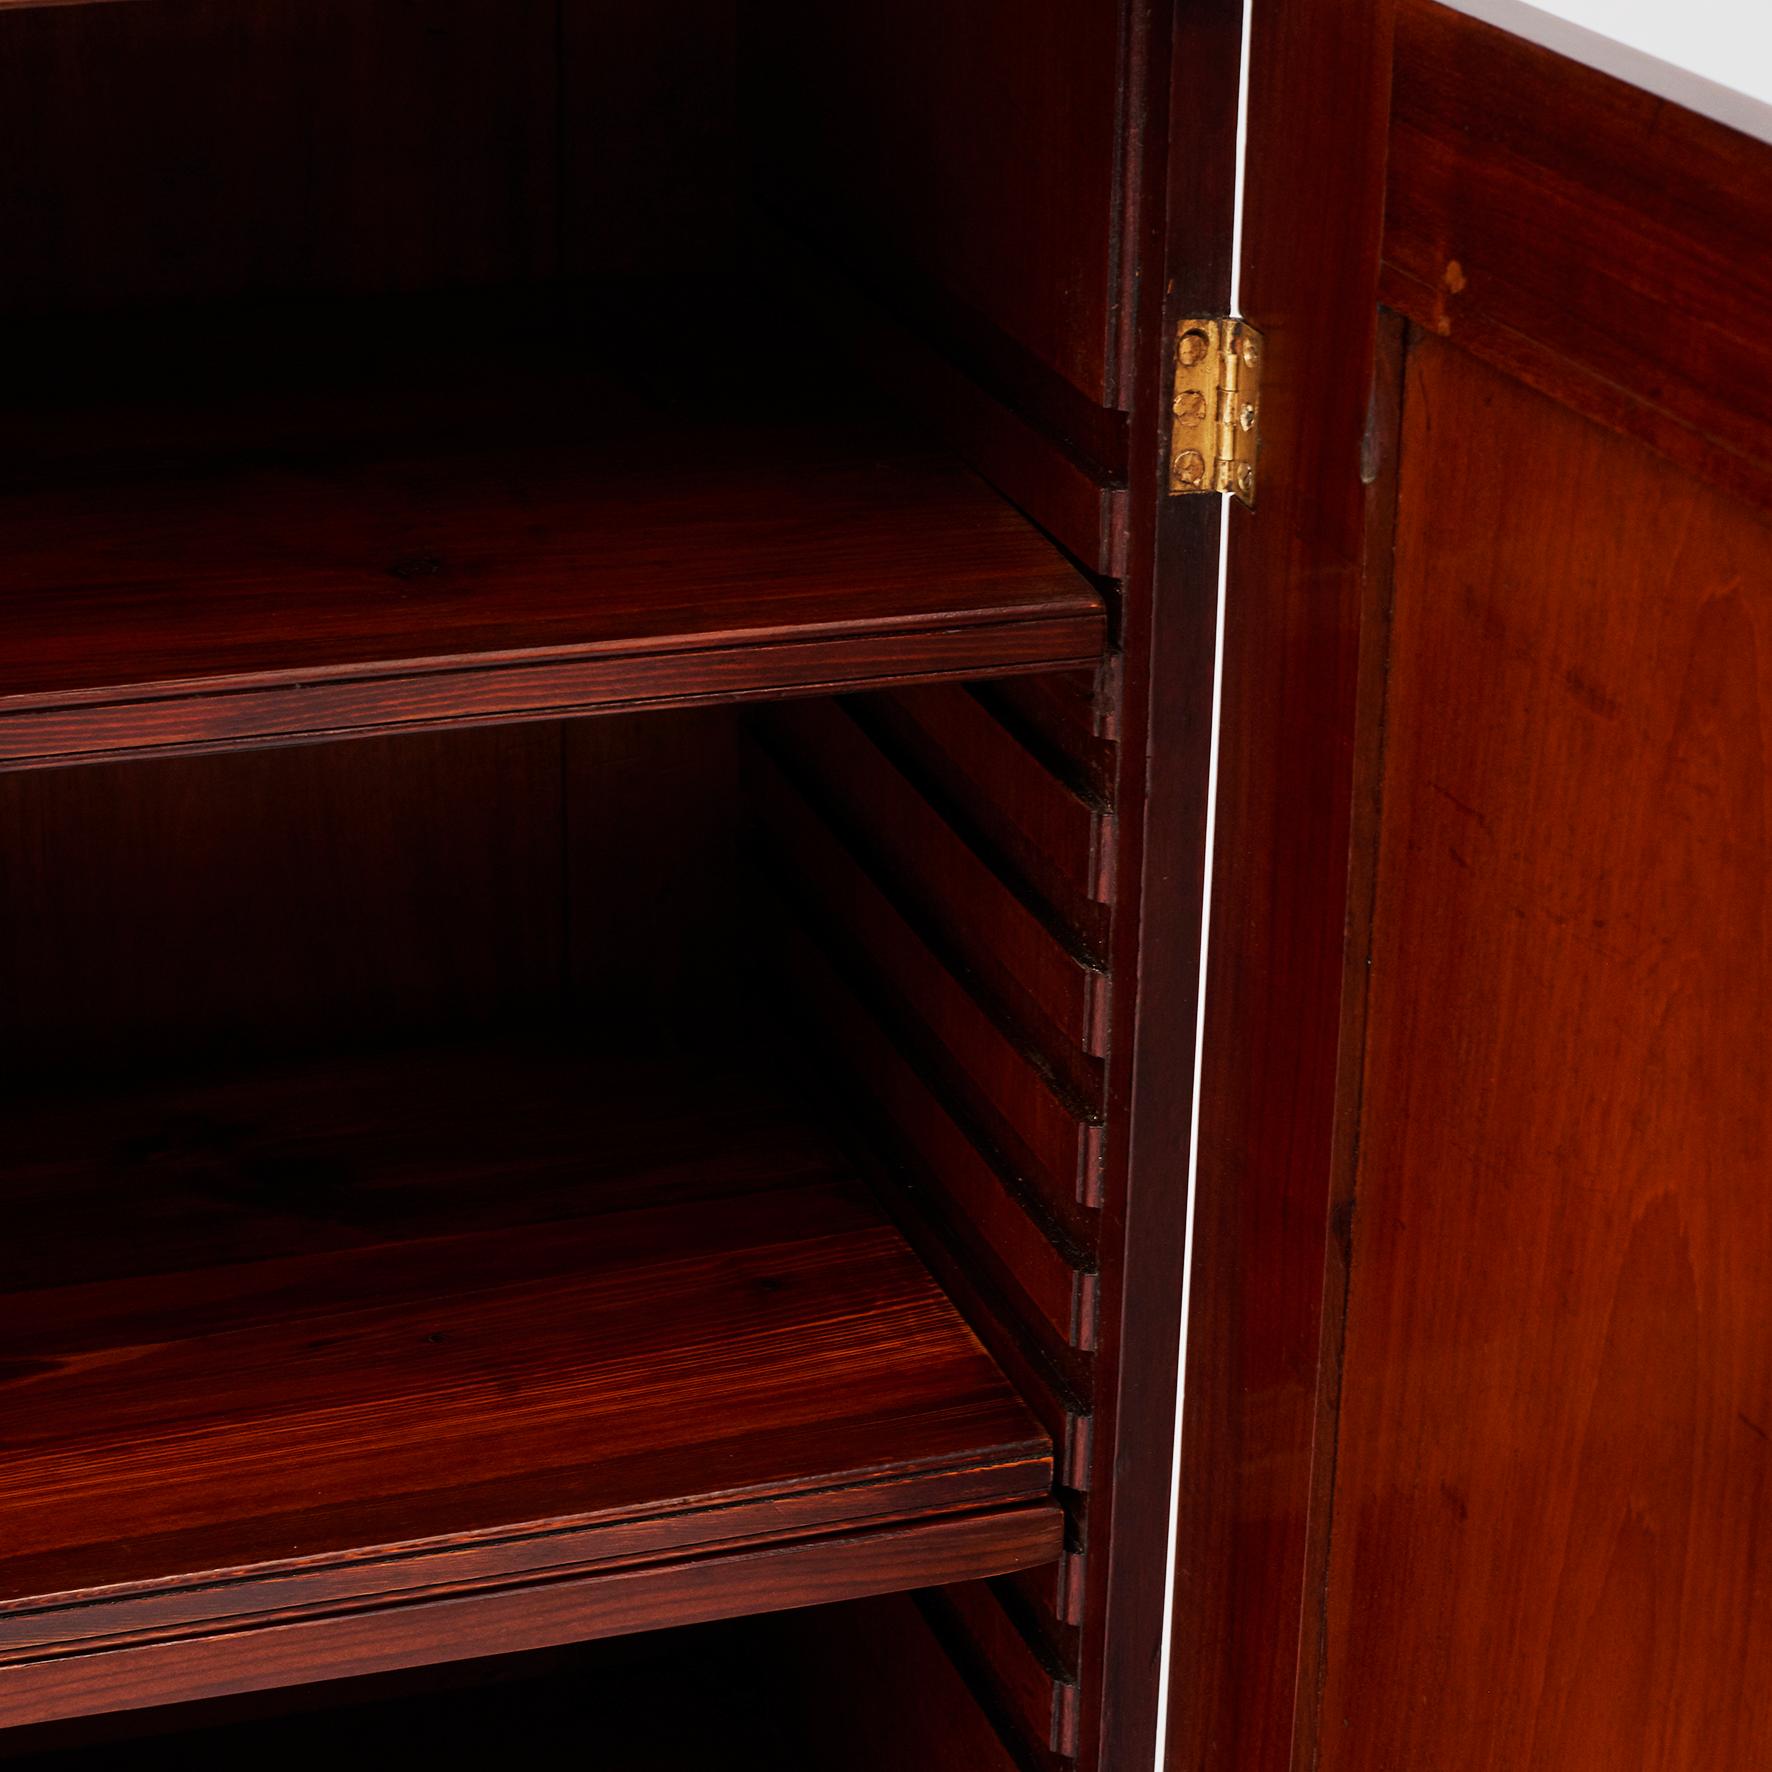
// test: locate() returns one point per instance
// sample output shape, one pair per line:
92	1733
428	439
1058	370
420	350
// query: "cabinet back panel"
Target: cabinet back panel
278	900
210	148
278	897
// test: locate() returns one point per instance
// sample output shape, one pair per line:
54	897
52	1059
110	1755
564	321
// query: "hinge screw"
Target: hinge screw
1191	347
1190	406
1246	418
1190	468
1246	479
1251	352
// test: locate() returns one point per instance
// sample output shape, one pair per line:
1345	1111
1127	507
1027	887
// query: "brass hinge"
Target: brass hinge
1217	407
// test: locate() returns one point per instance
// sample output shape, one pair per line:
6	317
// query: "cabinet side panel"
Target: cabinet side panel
974	149
941	866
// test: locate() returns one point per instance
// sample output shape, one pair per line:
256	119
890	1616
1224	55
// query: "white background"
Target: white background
1713	56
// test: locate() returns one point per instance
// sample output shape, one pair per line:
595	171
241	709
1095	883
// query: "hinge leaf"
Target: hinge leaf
1215	408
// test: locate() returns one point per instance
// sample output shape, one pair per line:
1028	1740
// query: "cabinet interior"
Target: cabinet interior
555	880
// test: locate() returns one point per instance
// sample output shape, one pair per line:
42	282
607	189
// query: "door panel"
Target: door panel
1477	1450
1553	1501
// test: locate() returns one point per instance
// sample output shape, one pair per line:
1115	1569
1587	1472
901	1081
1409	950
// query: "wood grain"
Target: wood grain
204	905
1151	714
201	148
1034	983
1554	1485
1022	1678
1070	719
534	540
1031	824
979	145
955	1053
290	1345
1319	106
1642	298
509	1620
975	1236
1076	493
909	1708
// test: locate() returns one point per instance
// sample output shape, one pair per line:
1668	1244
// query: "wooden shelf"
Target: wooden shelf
280	540
379	1362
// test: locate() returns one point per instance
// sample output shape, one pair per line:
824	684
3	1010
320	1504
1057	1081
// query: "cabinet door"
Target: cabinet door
1475	1463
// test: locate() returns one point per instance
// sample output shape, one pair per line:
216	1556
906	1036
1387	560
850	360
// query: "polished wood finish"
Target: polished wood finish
323	1341
1070	720
226	905
1027	1684
290	537
988	895
949	1197
1642	300
910	1707
973	149
1076	493
199	907
1052	836
201	149
1473	1472
1319	96
1144	745
1553	1490
1037	980
614	545
206	148
958	1056
569	1610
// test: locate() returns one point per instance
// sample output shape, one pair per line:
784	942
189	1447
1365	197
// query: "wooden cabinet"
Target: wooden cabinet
613	754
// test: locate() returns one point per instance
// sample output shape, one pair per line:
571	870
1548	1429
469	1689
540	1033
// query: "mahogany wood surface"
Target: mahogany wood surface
189	149
552	535
255	904
652	160
1553	1494
1075	491
952	1050
510	1619
210	905
1037	980
1043	1136
1034	826
875	1684
1029	1684
1642	298
657	909
1137	739
946	1193
978	146
1318	115
303	1346
665	1701
1069	719
202	148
